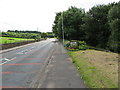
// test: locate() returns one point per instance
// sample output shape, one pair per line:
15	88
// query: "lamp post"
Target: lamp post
63	29
40	34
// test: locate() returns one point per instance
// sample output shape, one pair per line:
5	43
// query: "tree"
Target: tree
99	26
96	26
56	26
114	23
72	21
50	34
44	35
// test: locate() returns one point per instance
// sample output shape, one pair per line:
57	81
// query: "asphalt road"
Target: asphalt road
43	64
20	66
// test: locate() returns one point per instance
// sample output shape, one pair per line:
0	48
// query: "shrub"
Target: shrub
82	45
74	44
67	43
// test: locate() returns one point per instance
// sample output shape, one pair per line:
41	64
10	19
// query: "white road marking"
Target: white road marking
4	59
21	52
13	58
28	50
7	60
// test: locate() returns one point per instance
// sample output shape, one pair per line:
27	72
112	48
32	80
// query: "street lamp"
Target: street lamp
40	33
62	28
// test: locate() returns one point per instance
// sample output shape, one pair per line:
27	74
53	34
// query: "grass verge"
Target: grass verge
5	40
98	69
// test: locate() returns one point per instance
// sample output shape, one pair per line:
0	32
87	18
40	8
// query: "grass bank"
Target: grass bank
5	40
98	69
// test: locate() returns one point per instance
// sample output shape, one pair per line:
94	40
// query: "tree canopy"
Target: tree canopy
99	26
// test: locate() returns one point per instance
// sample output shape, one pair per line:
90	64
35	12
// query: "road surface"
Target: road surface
25	67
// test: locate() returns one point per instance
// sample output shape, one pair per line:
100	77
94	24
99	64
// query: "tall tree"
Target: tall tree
72	21
56	26
114	23
96	26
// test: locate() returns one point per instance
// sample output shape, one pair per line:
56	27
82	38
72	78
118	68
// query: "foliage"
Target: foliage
50	34
99	27
47	35
96	26
5	40
114	23
27	34
57	26
72	19
82	45
67	43
21	35
43	35
26	31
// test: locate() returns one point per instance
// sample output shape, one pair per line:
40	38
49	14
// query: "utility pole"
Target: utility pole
63	29
40	34
37	28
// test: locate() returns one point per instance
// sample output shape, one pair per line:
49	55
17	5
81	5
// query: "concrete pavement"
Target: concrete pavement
60	72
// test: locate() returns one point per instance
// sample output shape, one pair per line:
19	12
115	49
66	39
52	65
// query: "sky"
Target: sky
33	14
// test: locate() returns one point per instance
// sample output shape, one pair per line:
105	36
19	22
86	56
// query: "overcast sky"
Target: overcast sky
30	14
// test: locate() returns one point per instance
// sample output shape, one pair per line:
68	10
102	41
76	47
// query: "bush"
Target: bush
82	45
67	43
74	44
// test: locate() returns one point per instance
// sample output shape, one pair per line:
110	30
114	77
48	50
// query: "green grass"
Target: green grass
92	76
5	40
